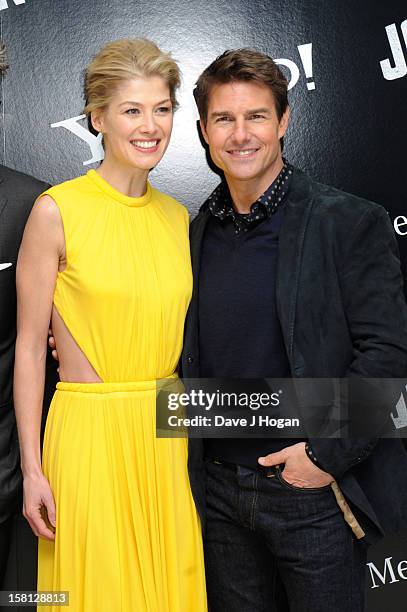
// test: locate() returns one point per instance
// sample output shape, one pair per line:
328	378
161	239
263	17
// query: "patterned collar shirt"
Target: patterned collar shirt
221	206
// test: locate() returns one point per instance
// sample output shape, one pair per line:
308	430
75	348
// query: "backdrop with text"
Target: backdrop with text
347	67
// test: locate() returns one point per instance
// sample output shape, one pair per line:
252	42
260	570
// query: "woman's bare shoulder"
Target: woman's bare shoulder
45	212
45	225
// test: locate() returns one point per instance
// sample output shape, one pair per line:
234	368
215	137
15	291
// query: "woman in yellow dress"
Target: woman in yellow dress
105	257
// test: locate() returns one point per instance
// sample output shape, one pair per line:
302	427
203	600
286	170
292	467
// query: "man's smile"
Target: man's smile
243	152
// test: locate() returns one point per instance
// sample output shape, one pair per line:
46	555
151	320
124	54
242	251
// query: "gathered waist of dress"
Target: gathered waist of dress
114	387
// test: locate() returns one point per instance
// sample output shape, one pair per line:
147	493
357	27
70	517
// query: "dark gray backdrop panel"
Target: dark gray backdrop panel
350	131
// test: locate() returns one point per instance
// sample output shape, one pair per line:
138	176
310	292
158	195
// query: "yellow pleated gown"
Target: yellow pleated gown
127	533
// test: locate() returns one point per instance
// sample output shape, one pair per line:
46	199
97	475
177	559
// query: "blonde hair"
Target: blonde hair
125	59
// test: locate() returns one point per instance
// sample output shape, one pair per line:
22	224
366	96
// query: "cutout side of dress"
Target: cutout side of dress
60	322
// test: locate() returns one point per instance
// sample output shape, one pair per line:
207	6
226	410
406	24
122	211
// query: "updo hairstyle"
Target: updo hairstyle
120	61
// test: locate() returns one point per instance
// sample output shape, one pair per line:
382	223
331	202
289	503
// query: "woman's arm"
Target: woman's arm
41	251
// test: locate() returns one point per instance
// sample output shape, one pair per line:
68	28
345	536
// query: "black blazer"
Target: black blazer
17	195
342	311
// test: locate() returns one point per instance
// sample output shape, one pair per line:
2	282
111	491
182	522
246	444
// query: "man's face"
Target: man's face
243	131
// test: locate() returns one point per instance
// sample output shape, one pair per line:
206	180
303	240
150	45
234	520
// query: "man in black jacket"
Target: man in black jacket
18	546
291	279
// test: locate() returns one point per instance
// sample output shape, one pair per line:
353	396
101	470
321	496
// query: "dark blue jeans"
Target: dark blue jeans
273	547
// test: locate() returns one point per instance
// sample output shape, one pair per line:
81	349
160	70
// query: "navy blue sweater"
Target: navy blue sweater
239	330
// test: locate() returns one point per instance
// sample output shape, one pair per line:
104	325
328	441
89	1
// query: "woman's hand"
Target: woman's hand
39	506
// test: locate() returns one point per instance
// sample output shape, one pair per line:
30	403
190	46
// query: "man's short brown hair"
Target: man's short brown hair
241	65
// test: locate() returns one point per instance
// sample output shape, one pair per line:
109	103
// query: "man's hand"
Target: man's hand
51	342
299	470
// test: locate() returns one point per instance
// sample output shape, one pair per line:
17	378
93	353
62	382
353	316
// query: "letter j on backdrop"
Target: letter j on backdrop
396	68
4	3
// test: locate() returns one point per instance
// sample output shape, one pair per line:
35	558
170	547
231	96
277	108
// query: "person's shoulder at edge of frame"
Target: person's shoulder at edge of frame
19	181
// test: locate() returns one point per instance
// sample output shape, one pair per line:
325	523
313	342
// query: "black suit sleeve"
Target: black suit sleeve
373	298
